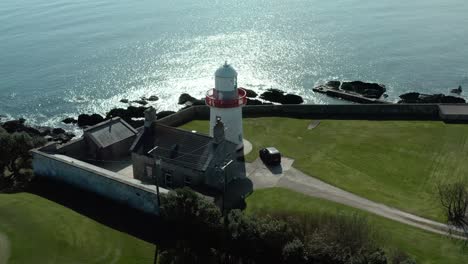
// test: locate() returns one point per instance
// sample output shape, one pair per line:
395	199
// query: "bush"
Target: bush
199	234
15	159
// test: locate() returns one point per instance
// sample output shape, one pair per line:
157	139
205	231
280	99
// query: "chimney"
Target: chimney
150	117
218	131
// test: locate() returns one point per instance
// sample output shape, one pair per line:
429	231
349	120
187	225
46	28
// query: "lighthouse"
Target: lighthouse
226	102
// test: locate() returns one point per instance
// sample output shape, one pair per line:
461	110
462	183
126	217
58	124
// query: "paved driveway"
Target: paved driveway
286	176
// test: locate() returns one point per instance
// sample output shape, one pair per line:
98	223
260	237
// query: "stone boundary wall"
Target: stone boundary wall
97	180
311	111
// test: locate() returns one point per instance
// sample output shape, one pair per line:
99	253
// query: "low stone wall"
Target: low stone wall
351	111
94	179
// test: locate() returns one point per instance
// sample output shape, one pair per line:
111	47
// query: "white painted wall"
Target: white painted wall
97	180
232	119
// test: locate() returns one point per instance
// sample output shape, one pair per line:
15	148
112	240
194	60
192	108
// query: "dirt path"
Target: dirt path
293	179
4	249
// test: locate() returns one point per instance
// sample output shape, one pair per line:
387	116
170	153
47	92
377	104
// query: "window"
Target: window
149	172
188	180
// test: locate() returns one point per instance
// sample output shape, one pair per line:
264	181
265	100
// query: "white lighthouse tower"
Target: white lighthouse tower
226	102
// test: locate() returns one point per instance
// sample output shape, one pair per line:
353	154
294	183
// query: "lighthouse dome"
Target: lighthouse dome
226	71
226	81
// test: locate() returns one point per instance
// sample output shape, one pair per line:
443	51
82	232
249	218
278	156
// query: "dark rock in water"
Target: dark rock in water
62	138
457	91
292	99
452	100
70	120
412	96
190	100
13	126
333	84
430	99
136	112
417	98
129	114
278	96
125	101
58	131
50	134
136	123
250	93
185	97
142	102
369	90
152	98
163	114
117	112
43	130
89	120
273	95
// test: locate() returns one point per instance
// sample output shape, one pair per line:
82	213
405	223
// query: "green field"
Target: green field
398	163
425	247
41	231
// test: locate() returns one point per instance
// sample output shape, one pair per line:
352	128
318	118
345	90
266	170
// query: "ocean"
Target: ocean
60	58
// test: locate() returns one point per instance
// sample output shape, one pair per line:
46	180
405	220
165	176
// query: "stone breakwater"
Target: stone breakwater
362	92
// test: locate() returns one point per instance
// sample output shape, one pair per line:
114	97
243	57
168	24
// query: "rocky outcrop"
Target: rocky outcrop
418	98
250	93
50	134
152	98
278	96
141	101
70	120
369	90
130	115
89	120
458	91
357	91
187	99
334	84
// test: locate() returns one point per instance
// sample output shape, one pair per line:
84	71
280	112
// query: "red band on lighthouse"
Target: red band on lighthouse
212	99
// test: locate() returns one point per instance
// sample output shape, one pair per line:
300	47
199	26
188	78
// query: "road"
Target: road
288	177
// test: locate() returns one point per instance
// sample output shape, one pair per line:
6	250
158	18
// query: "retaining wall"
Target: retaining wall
351	111
97	180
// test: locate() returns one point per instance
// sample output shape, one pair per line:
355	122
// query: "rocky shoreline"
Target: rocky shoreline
355	91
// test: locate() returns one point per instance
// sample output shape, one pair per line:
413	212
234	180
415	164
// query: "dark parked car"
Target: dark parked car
270	156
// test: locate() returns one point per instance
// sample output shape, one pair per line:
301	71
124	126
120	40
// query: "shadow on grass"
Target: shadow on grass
107	212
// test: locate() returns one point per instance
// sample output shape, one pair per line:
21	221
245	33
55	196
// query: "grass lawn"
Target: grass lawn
425	247
397	163
41	231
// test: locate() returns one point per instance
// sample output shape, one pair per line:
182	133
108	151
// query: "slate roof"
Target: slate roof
177	146
110	132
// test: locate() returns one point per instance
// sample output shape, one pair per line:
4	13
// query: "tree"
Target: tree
454	199
194	227
15	159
